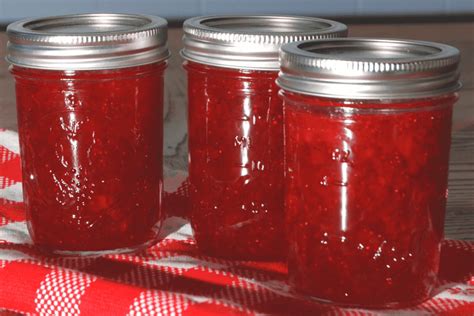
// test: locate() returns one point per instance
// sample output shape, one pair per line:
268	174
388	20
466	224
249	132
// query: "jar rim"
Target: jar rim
369	68
250	42
87	41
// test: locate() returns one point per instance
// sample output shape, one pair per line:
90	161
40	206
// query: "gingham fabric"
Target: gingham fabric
172	277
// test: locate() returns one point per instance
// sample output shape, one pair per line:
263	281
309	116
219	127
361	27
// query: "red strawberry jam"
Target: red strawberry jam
89	91
236	130
236	162
91	144
367	135
367	189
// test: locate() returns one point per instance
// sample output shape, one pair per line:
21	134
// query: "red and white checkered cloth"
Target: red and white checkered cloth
171	278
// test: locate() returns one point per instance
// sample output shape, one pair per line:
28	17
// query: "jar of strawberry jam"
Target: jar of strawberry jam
367	131
236	130
89	94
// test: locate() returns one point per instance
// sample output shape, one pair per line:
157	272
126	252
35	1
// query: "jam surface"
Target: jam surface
365	198
91	145
236	162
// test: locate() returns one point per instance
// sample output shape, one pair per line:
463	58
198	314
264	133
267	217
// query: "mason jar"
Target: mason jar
236	130
367	134
89	92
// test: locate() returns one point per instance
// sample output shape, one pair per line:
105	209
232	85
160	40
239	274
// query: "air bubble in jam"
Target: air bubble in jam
97	185
365	197
327	181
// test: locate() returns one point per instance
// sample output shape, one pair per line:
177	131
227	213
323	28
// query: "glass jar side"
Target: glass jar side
366	190
91	145
236	162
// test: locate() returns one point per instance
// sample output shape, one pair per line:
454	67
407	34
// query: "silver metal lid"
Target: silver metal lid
87	41
250	42
360	68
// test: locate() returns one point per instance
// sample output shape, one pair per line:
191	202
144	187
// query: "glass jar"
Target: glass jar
367	132
236	130
89	94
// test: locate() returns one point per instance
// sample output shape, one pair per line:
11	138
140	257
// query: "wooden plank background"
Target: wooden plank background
460	211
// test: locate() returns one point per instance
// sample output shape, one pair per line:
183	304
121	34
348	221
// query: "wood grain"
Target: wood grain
460	210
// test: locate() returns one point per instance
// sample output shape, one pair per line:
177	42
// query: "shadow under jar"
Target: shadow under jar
367	132
236	130
89	94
